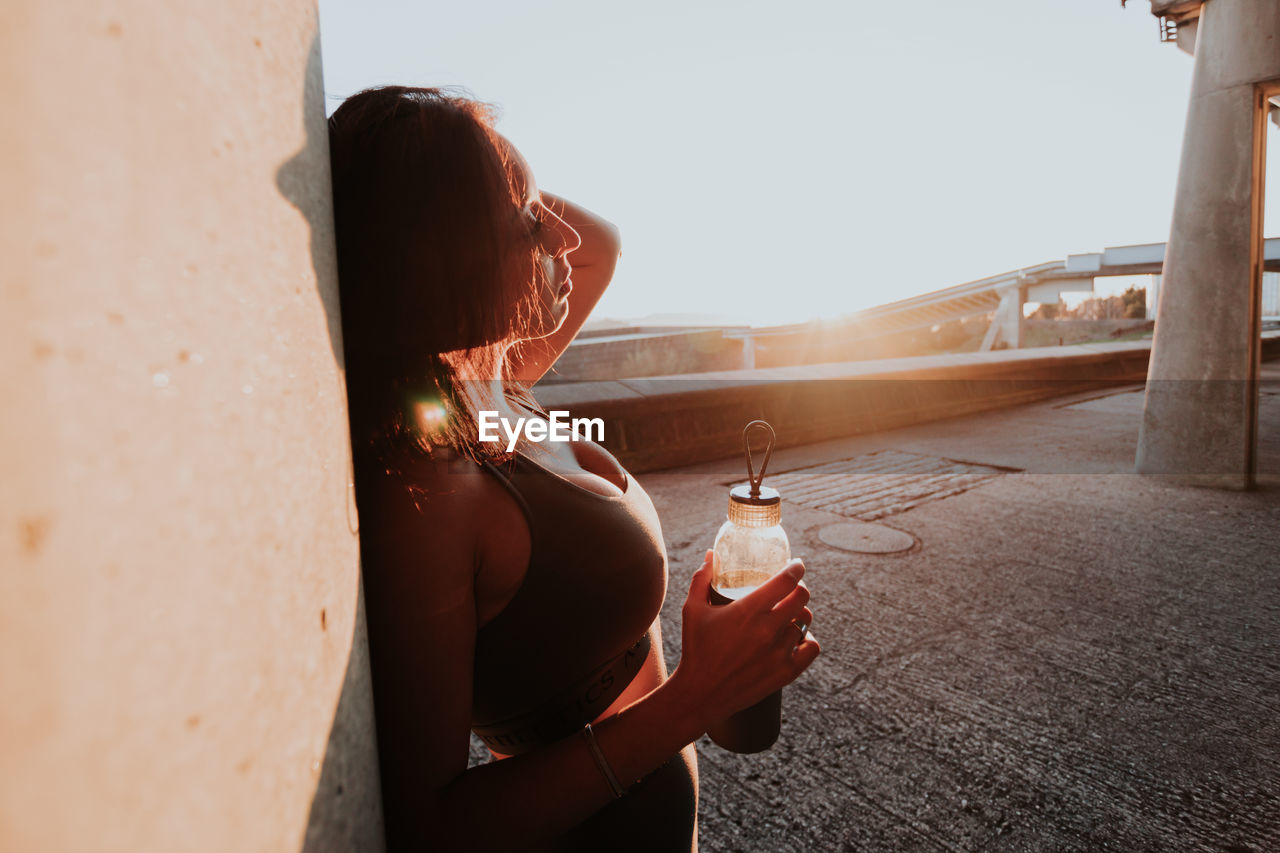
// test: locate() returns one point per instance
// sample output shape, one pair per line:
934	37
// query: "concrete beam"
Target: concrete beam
1089	262
1051	291
1130	256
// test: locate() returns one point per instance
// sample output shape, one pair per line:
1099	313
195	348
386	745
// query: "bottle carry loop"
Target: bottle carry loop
752	478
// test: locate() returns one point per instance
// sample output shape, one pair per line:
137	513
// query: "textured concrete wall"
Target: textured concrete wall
659	355
182	659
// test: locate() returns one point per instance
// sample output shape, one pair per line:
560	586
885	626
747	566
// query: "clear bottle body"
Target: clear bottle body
751	547
748	556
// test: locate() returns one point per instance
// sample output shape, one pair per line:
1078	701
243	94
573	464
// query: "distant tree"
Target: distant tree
1046	311
1135	303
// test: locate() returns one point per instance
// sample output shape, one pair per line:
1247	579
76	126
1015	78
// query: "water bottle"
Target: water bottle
750	548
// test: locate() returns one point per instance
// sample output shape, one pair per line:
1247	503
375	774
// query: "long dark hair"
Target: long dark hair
432	271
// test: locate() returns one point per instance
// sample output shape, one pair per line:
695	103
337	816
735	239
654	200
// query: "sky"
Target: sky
771	163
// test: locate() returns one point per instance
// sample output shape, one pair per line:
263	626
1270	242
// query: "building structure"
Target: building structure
183	663
1200	412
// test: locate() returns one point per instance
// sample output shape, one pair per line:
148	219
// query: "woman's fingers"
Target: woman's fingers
790	606
796	629
700	585
769	593
803	655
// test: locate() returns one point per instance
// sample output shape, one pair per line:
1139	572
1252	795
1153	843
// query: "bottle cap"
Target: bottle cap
746	510
751	504
765	497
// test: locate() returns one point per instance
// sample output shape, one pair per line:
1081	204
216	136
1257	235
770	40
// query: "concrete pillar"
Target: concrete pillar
182	658
1007	323
1200	412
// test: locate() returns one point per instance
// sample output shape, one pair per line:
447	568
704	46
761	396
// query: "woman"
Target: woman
516	595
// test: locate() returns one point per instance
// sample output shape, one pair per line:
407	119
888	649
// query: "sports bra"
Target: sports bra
577	629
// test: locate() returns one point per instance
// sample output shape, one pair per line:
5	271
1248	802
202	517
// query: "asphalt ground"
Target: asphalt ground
1069	656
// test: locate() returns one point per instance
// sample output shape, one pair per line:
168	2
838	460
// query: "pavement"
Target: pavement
1068	656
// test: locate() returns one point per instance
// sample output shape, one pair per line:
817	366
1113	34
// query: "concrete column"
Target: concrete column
182	659
1007	323
1199	416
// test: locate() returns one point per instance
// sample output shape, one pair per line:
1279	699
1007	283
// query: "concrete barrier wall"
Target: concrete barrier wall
639	354
657	423
182	658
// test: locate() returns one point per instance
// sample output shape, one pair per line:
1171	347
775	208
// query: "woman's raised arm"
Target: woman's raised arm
593	264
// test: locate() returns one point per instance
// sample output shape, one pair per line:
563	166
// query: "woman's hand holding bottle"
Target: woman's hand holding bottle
736	654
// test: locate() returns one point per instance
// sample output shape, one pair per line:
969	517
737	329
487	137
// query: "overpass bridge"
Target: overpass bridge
1004	295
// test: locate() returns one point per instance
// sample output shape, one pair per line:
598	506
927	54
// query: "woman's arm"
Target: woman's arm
593	263
424	606
736	655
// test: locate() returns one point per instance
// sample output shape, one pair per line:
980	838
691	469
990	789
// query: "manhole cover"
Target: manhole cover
880	484
865	538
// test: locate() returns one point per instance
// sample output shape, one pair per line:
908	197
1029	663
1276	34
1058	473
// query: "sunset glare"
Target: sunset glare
771	164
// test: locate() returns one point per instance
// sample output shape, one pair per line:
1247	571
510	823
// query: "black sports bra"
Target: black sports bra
577	630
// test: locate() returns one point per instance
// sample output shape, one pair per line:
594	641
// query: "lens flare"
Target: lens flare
430	415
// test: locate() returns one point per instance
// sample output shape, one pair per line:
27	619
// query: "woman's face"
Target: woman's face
552	239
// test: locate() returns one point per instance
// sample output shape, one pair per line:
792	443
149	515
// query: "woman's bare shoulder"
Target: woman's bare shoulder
446	479
422	502
449	512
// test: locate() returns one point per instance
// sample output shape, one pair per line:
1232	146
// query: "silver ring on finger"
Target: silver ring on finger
804	630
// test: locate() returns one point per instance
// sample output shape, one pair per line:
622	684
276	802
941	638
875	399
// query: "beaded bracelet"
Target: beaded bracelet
602	763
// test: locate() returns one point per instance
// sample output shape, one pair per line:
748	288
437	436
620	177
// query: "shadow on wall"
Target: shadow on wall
346	807
305	183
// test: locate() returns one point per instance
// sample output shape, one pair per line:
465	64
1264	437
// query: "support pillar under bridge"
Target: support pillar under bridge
1200	413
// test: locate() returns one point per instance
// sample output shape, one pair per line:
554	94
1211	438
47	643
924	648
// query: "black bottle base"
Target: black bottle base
753	729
